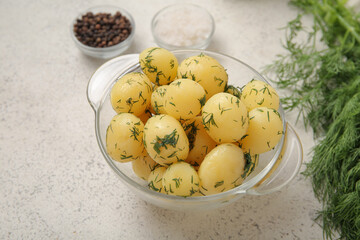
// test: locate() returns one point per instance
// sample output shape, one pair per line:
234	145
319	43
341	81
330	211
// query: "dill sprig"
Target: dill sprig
323	76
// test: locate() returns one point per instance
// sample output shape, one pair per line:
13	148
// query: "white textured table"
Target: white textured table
54	182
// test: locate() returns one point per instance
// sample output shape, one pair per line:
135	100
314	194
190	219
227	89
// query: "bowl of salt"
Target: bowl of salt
183	26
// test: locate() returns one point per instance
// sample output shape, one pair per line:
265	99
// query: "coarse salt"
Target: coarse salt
184	26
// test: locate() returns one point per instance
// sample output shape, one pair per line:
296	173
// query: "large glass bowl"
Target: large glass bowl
276	168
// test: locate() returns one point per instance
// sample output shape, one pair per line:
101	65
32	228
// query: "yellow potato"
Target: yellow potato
206	71
225	118
131	93
124	137
181	179
200	143
264	132
259	94
155	179
143	166
158	98
222	169
159	64
184	99
165	140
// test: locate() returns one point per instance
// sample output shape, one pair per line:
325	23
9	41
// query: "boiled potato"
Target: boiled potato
143	166
259	94
131	93
225	118
158	99
184	99
165	140
222	169
159	64
200	143
206	71
124	137
264	132
181	179
155	179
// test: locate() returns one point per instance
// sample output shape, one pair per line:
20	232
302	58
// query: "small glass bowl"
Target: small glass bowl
106	52
183	26
275	170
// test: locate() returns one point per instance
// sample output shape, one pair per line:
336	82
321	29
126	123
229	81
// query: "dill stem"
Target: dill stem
345	23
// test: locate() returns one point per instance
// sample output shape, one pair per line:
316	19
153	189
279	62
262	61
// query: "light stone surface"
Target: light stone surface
54	182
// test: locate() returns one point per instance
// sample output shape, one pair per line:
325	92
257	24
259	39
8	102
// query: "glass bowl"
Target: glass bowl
105	52
183	26
275	170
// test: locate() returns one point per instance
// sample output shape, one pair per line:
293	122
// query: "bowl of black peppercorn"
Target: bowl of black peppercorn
103	31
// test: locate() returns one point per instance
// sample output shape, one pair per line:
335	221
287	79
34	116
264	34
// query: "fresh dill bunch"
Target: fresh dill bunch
323	75
335	173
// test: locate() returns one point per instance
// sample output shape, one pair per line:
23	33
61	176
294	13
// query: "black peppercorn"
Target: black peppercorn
102	29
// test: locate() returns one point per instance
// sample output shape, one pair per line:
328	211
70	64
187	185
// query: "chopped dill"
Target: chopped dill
123	156
177	181
202	101
151	185
322	76
261	102
168	140
219	183
208	120
135	132
191	130
221	81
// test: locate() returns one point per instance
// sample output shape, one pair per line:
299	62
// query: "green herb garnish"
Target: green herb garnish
177	182
191	130
135	132
218	184
208	120
325	87
168	140
202	101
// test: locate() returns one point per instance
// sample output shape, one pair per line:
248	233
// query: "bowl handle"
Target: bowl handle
104	76
285	168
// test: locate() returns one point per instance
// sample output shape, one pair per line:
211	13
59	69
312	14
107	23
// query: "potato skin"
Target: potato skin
131	93
159	65
225	118
257	93
184	99
165	140
124	137
222	169
143	166
206	71
158	99
264	132
181	179
155	179
200	143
